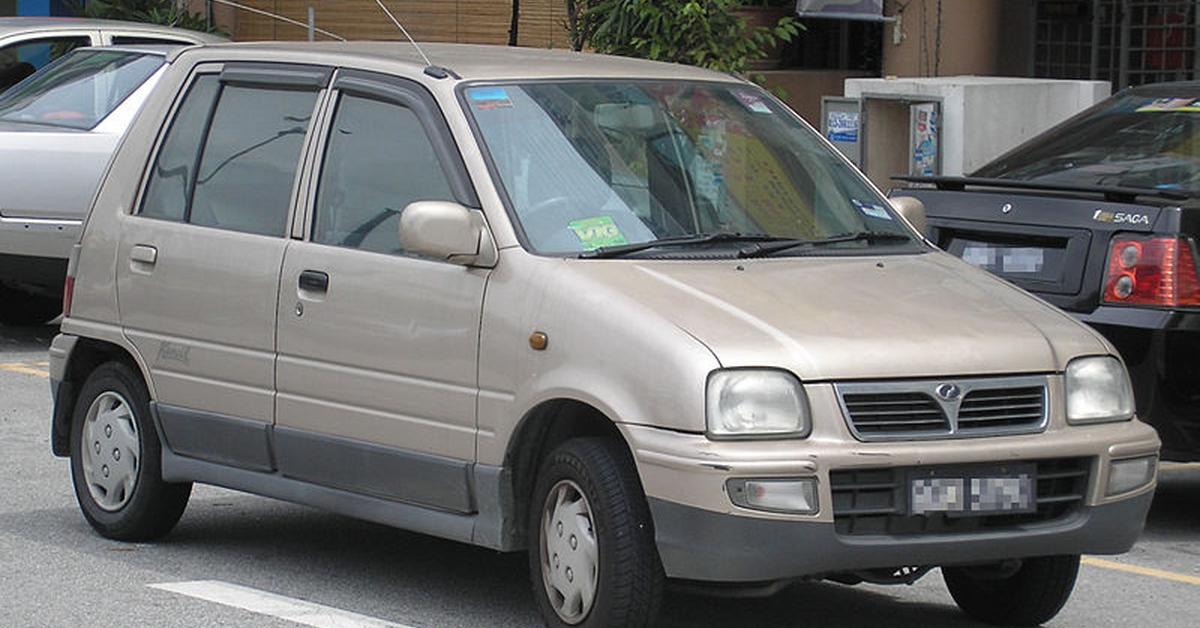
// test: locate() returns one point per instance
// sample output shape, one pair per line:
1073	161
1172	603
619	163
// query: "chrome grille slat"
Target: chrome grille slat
911	410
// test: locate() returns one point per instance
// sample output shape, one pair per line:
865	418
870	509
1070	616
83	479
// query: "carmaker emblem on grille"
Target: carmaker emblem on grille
948	392
1006	208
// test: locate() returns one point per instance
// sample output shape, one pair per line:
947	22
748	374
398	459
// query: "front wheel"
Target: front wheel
116	459
592	555
1030	596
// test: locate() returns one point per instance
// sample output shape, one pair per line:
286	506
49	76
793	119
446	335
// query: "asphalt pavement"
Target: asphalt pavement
241	560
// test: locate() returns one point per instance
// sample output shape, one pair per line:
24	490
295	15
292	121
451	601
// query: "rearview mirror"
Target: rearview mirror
446	231
912	210
624	116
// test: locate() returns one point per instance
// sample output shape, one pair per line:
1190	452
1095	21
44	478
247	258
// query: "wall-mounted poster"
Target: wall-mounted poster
924	140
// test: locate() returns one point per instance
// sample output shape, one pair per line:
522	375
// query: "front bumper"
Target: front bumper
1162	351
698	544
703	536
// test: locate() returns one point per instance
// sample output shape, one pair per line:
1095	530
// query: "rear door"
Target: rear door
198	265
377	347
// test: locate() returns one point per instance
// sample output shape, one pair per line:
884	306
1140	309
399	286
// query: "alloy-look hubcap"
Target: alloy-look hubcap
111	451
570	560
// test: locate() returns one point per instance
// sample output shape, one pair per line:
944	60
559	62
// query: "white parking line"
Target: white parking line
264	603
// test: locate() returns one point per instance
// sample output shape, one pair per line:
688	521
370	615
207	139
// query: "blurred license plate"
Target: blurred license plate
1009	490
1001	259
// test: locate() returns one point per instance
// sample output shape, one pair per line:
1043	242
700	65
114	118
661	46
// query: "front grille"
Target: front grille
875	501
1001	408
895	413
932	409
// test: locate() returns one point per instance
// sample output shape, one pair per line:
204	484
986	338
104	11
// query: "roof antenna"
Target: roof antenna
430	69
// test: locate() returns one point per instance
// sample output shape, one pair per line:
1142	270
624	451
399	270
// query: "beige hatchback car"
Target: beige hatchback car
638	319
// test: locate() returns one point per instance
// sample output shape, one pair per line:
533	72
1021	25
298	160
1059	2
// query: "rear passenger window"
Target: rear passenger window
174	173
245	178
18	61
230	157
378	160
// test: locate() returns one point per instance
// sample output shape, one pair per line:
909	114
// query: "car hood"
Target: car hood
840	318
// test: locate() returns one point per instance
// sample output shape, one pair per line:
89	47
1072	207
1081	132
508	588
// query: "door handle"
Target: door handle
144	254
314	281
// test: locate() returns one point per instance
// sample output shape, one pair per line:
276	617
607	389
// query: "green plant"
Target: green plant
705	33
165	12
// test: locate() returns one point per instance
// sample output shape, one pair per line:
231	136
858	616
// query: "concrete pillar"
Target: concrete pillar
956	37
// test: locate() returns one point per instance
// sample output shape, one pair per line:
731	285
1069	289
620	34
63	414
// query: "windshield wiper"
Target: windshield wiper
1111	193
684	240
762	250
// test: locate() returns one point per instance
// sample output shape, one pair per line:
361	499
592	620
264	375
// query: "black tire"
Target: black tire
1030	597
22	309
153	507
630	577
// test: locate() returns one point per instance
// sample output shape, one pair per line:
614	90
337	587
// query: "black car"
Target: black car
1100	216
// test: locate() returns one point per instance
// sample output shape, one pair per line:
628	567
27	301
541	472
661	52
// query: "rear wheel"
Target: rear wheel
116	459
592	555
1030	596
22	309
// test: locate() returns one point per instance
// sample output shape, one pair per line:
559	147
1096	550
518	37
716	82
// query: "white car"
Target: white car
28	43
58	130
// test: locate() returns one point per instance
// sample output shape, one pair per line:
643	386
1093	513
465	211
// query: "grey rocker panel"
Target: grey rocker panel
330	461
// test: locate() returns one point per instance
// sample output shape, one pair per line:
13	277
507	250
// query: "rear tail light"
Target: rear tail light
69	284
68	295
1158	272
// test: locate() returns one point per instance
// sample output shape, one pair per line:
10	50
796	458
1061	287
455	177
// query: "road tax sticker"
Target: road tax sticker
597	232
1172	104
874	210
752	101
485	98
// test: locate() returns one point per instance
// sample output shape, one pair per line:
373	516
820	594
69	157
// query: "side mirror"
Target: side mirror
913	210
446	231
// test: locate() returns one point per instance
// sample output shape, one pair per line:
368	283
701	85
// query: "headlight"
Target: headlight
756	403
1098	390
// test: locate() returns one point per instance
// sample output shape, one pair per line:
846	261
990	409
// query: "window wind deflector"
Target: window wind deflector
1111	193
764	249
277	75
685	240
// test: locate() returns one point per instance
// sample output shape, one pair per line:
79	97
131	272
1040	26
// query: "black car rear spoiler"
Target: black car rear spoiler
1111	193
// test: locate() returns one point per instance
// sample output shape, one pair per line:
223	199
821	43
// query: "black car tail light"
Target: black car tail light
1154	271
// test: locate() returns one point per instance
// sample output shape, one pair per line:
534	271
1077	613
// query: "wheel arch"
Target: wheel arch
86	355
541	429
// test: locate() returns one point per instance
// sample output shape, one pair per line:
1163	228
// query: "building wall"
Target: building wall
959	37
542	24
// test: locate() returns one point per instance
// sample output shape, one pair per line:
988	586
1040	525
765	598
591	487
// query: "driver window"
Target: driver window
377	161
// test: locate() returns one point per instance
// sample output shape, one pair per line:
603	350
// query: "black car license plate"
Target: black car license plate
973	491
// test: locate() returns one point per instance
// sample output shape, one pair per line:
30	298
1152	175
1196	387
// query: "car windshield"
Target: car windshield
1131	141
80	89
598	165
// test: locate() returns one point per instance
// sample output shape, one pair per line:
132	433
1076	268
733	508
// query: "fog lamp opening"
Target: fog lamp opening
1130	474
796	496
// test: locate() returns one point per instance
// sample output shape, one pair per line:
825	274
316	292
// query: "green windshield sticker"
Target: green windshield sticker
1189	105
597	232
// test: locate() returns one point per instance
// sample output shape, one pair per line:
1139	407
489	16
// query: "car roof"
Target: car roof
15	25
468	61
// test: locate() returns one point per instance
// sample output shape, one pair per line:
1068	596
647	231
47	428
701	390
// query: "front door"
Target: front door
198	265
377	347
